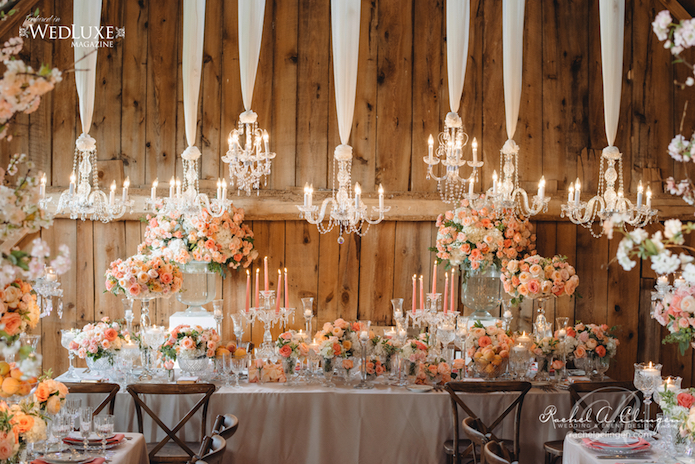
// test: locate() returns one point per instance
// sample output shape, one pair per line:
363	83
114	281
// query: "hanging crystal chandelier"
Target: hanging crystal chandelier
84	198
342	209
250	162
47	288
608	202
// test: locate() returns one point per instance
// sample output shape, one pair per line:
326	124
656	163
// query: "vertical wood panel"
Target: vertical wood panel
376	293
338	273
212	139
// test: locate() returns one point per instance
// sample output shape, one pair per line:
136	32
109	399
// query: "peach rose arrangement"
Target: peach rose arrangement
679	408
143	276
222	242
98	340
18	309
592	340
676	312
475	238
488	347
190	342
346	335
538	277
290	345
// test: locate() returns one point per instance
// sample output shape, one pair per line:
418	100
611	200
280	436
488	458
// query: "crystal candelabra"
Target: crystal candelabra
308	304
346	212
249	163
608	202
185	197
506	194
269	316
364	340
84	197
451	186
47	288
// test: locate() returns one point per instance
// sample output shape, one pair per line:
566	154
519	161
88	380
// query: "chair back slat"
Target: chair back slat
215	452
110	389
225	425
521	388
204	389
494	453
585	416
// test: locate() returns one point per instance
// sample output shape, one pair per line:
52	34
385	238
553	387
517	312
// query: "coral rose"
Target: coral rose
484	341
601	351
580	352
336	349
12	322
53	405
110	334
685	400
42	392
285	351
23	422
348	364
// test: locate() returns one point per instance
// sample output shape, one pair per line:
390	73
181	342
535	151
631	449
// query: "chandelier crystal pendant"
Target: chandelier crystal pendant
506	194
343	209
249	157
84	198
610	201
184	195
450	142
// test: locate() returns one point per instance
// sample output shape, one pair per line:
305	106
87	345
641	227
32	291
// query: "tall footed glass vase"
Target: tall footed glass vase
198	287
481	291
541	327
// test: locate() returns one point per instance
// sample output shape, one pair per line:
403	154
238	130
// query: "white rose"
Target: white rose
688	304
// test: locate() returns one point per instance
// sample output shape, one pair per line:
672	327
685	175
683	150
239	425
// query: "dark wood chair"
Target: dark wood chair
225	426
171	452
477	429
211	450
553	449
494	453
110	389
457	448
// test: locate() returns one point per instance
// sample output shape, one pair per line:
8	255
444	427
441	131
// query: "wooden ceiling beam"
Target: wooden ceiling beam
676	9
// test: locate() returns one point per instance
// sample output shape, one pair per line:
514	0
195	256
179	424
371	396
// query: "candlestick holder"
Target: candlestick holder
269	317
364	340
308	305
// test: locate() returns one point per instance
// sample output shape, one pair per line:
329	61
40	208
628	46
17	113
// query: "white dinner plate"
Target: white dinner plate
420	388
67	458
617	441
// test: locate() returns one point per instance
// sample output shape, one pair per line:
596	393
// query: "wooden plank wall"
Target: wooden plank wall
401	98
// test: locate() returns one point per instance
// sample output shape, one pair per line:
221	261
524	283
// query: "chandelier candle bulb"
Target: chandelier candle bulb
266	282
219	189
414	293
577	192
278	299
287	293
51	275
541	188
446	290
126	184
112	194
42	186
381	196
430	146
494	182
172	186
358	195
153	190
224	189
475	150
178	188
649	197
470	184
640	190
72	183
265	141
570	194
248	290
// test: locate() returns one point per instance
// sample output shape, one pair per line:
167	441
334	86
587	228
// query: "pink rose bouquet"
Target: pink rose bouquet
538	277
593	340
141	276
190	341
346	334
18	309
475	238
98	340
288	345
676	312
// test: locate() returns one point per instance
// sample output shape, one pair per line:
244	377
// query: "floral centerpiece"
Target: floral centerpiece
290	347
329	348
143	276
222	242
346	334
477	237
98	341
675	312
544	350
488	347
18	309
414	352
679	406
538	277
594	340
382	348
190	342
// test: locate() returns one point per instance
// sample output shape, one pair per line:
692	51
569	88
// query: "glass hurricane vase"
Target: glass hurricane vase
481	291
100	366
198	286
288	366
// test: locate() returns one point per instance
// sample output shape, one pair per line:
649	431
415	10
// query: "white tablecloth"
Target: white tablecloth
133	450
312	424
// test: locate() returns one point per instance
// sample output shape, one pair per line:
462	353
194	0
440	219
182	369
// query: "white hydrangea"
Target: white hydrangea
622	255
38	432
665	263
638	236
672	230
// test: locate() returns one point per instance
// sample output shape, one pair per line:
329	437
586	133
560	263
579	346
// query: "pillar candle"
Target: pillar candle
446	290
277	300
414	293
422	293
248	290
265	273
258	288
287	293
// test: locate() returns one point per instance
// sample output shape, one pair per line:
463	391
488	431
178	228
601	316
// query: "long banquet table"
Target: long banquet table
311	423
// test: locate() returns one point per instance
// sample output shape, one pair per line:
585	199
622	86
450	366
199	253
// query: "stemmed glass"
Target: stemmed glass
446	334
128	353
154	337
61	426
66	337
72	409
86	424
218	314
308	305
561	323
238	321
364	340
647	380
238	364
103	426
227	359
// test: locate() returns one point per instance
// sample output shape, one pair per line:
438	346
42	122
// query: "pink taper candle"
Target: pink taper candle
277	300
414	293
256	301
451	304
422	293
248	290
265	273
446	290
434	278
287	291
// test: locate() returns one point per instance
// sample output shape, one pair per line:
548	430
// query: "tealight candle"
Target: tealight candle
519	348
391	333
307	313
562	333
508	314
651	371
364	336
402	333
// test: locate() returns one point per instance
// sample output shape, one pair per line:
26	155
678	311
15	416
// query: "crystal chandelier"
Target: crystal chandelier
451	186
506	194
84	198
47	288
608	202
250	162
342	209
184	195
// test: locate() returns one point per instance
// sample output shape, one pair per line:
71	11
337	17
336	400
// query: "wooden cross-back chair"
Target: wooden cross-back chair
457	448
225	425
211	450
205	389
476	428
494	453
110	389
630	399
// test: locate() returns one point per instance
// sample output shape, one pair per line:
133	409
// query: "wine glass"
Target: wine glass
66	337
61	426
446	335
103	426
238	364
238	321
86	424
72	409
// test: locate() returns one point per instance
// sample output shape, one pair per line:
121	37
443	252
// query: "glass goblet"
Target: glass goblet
103	426
227	367
86	424
61	426
238	321
238	364
66	337
647	380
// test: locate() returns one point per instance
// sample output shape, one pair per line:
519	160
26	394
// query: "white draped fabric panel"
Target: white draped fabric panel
612	21
458	19
251	14
192	62
512	50
345	29
86	17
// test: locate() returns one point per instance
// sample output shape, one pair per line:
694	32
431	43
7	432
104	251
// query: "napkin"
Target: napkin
93	461
115	439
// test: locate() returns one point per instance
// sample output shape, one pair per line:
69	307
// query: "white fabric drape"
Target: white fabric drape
345	29
458	19
612	21
86	17
512	50
251	14
192	62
